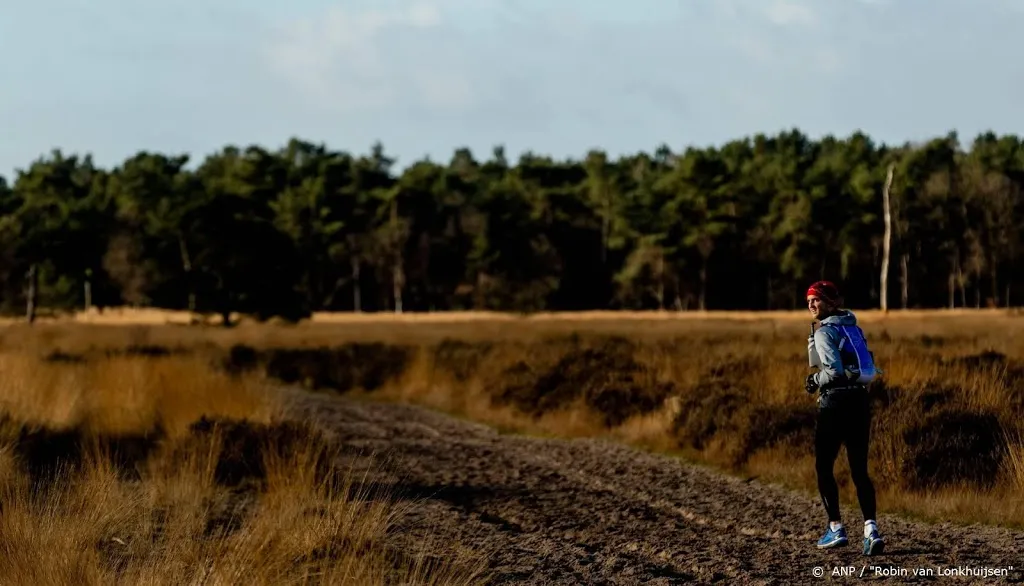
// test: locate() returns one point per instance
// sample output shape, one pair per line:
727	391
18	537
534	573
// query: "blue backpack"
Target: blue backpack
858	360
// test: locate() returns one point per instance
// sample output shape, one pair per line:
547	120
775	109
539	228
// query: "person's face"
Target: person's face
818	307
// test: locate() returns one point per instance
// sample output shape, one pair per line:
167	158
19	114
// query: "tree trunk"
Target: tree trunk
605	231
88	292
960	282
479	291
993	274
661	281
357	305
703	285
186	264
977	289
952	289
884	279
769	299
30	298
904	281
397	278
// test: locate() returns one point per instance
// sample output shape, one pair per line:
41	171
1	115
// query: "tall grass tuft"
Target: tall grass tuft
121	470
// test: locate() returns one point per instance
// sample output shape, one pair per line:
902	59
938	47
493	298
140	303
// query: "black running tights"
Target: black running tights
849	423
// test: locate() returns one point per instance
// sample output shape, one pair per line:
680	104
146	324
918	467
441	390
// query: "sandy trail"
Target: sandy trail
596	512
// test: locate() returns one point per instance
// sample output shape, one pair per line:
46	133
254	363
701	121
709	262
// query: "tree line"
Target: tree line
742	225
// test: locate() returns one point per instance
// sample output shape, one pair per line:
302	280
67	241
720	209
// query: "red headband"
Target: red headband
825	290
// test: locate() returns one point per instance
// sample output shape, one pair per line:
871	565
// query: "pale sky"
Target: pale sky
558	77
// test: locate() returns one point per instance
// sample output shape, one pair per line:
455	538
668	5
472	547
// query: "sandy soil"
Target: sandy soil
594	512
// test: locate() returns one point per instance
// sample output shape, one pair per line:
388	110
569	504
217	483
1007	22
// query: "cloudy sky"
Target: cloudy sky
112	77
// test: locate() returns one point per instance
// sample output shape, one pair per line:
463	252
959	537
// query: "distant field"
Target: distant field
131	316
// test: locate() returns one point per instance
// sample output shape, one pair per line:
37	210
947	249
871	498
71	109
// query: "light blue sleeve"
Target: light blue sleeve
827	345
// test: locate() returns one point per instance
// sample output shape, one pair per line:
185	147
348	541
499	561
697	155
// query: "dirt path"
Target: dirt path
594	512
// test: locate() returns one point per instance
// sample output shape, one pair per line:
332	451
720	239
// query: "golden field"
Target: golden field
719	389
158	469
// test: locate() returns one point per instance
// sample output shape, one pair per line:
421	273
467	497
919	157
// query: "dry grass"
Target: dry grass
107	477
722	389
127	394
946	436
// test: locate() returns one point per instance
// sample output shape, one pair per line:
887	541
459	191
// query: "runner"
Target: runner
845	366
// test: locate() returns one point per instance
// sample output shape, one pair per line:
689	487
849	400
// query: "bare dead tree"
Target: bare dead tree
886	241
186	264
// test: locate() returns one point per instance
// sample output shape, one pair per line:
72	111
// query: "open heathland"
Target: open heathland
725	389
723	394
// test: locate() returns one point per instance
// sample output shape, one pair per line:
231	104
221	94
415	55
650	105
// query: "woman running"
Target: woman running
845	366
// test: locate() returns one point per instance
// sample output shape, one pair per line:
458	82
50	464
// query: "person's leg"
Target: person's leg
858	433
827	439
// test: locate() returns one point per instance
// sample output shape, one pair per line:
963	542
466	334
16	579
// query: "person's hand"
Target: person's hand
809	385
